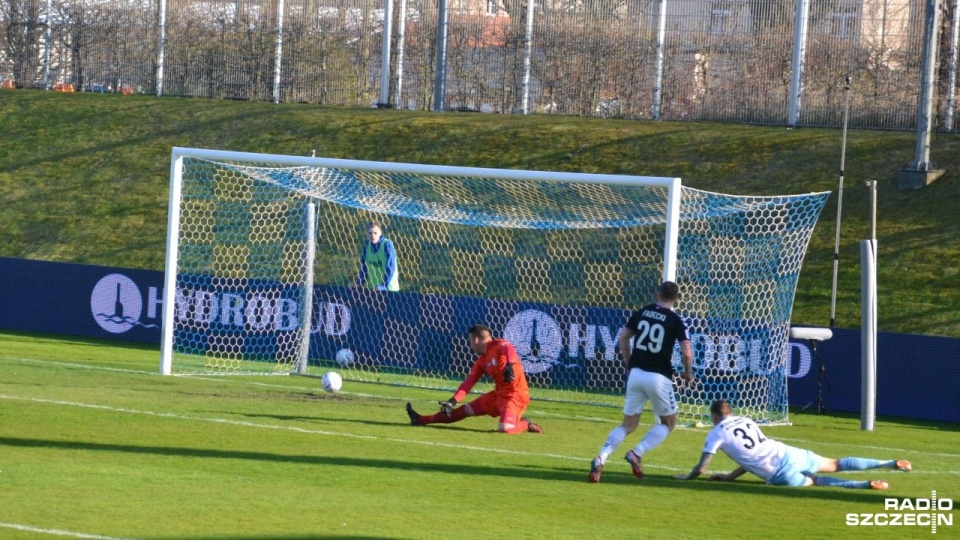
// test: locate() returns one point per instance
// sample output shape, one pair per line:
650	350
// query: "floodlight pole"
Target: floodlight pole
836	242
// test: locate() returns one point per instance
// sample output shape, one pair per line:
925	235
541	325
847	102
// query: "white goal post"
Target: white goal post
263	254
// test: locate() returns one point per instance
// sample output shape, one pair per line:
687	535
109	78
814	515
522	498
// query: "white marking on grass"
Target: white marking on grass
74	365
347	435
186	417
57	532
899	451
301	430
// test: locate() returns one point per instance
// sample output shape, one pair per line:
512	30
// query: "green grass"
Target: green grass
84	178
94	442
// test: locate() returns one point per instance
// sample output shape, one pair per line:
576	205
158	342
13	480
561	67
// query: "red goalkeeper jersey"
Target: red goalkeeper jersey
499	353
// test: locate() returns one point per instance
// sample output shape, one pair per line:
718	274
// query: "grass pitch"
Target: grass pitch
84	178
95	444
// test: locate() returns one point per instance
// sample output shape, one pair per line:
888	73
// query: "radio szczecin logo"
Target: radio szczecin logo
933	512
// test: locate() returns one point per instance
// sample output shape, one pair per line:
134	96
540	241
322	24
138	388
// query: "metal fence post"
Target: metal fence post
161	37
278	58
439	84
799	60
527	51
951	86
658	77
385	55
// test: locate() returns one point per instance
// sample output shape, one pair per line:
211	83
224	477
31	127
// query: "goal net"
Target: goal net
263	268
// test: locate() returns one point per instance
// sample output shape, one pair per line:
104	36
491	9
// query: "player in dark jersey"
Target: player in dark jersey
646	346
497	359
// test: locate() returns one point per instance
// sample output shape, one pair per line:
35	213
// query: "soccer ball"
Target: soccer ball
332	382
345	357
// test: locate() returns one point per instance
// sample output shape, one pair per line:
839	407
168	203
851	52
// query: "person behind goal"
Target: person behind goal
646	346
498	359
378	261
778	464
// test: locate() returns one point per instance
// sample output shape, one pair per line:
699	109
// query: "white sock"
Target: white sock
613	441
656	435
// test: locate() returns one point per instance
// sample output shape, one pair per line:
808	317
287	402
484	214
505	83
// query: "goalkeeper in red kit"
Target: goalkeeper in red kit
509	398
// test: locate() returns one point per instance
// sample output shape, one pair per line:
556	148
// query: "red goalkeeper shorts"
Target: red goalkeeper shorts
509	410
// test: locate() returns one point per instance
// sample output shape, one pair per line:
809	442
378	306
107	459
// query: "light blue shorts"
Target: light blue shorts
797	464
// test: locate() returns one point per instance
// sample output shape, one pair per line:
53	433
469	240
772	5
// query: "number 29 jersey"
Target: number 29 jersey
657	329
740	438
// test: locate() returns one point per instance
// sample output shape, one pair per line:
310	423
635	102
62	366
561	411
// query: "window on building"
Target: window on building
720	17
843	24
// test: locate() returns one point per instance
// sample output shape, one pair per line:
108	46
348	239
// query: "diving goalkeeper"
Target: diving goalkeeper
498	360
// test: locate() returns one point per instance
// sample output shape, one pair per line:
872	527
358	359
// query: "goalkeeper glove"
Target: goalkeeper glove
508	374
446	407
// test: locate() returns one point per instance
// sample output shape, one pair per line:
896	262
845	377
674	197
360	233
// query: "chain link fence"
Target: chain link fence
745	61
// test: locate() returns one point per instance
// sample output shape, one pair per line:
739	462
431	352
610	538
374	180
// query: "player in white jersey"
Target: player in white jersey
779	464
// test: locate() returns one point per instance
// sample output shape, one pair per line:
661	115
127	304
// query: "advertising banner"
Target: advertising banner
916	375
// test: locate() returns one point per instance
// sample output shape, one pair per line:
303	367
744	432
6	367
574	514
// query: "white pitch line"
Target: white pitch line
74	365
58	532
903	451
342	434
286	428
538	413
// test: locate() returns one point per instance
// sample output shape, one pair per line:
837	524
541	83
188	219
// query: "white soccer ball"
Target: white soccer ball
345	357
332	381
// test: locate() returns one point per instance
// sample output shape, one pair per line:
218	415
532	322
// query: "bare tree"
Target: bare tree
22	39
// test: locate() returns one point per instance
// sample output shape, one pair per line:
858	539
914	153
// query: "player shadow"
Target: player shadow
457	428
739	487
501	469
331	421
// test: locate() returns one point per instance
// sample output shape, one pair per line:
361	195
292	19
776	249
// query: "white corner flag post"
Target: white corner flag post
868	319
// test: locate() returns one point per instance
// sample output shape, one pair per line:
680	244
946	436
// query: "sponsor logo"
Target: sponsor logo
537	338
256	312
116	304
933	513
540	341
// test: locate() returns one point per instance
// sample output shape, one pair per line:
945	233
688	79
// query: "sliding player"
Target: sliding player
780	465
510	396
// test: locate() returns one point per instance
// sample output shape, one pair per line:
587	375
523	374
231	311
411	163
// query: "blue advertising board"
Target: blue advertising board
916	375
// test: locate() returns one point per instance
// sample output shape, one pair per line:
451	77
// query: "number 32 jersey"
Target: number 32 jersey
740	438
657	329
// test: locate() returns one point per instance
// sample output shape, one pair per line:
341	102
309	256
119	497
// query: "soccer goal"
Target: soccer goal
263	256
